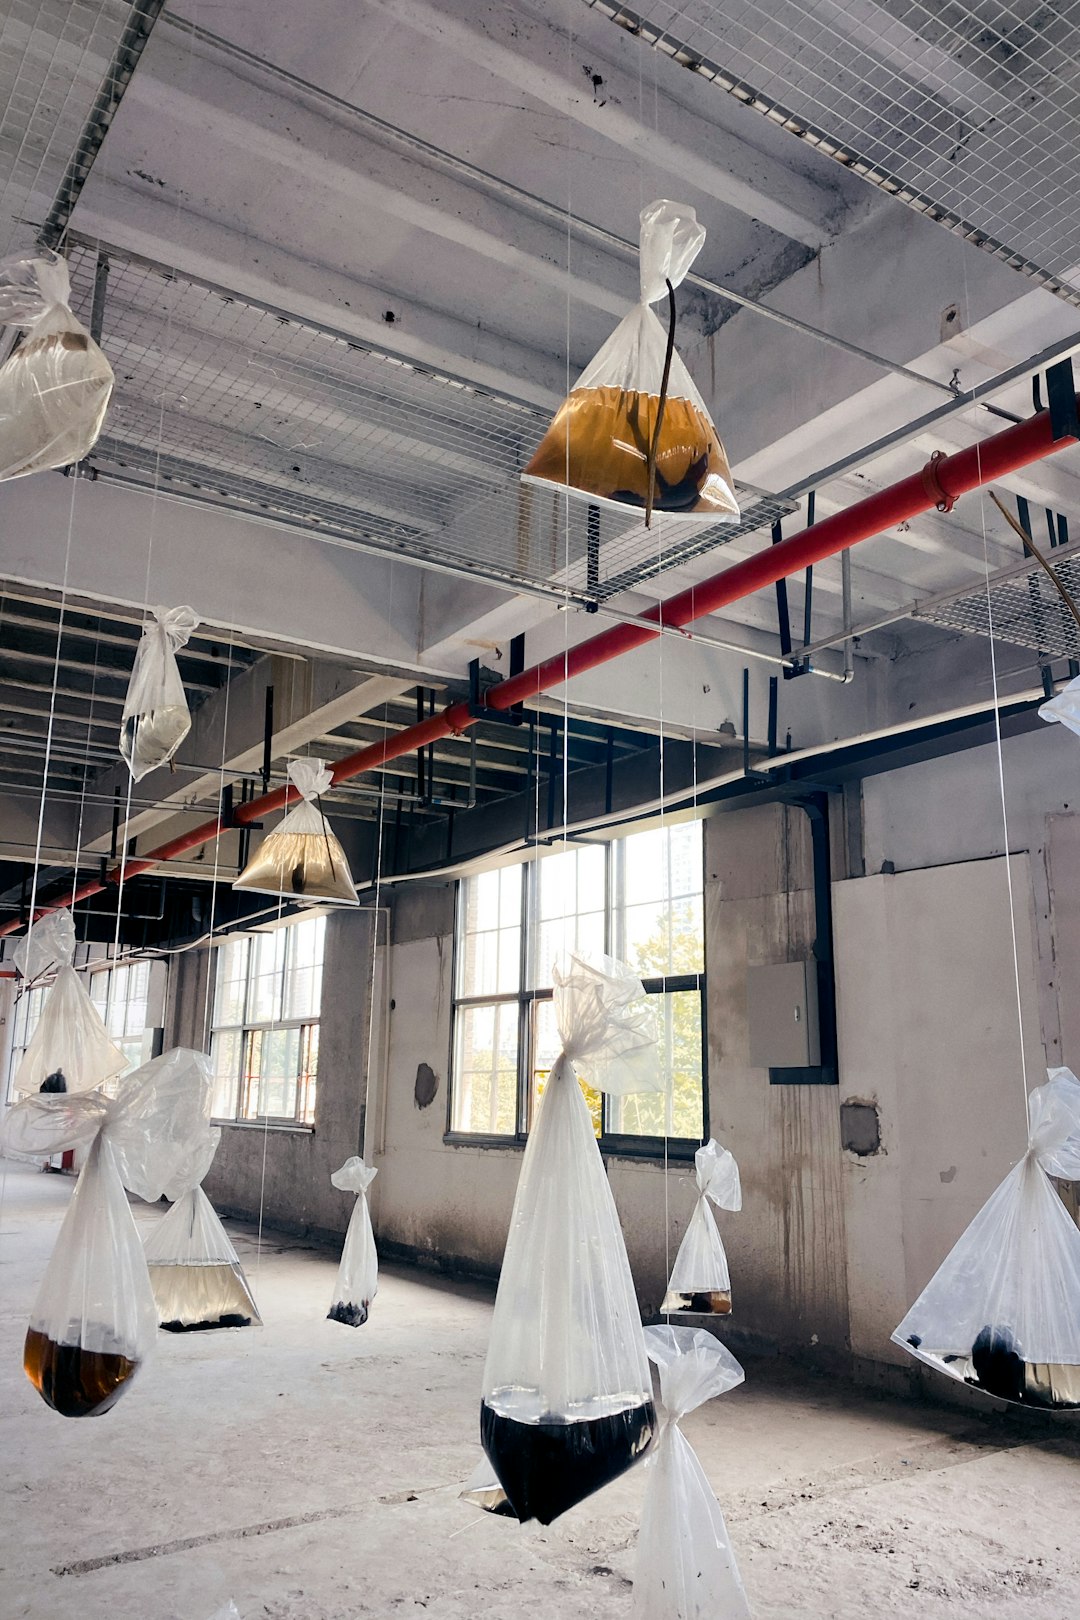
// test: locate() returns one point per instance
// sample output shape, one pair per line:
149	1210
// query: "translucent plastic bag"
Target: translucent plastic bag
483	1490
699	1278
567	1397
358	1274
685	1569
1002	1312
94	1321
195	1272
47	944
70	1049
55	387
1065	707
302	857
156	717
601	441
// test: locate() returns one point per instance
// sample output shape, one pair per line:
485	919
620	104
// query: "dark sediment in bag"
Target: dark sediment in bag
74	1381
53	1084
547	1467
351	1315
714	1302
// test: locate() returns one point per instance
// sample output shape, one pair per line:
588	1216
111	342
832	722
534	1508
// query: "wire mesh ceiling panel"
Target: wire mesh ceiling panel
63	68
968	110
249	407
1024	609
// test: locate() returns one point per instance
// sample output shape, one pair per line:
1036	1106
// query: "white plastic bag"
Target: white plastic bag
358	1274
70	1050
47	944
700	1281
1002	1312
483	1490
567	1397
94	1321
195	1271
685	1567
1064	707
600	441
302	857
55	387
156	717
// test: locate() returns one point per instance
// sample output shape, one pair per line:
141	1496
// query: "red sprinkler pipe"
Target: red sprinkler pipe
939	484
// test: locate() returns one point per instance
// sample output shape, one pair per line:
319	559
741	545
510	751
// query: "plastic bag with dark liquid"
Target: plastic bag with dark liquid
567	1397
357	1281
700	1283
156	717
603	442
195	1271
302	857
1002	1312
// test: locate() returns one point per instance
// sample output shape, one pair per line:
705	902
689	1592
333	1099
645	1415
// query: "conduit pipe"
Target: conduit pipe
940	483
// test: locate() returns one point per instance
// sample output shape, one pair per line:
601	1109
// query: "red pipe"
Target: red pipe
939	484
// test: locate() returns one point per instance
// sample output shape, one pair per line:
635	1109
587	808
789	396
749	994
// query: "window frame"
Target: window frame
611	1143
304	1080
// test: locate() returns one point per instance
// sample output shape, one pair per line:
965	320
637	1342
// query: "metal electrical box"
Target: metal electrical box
782	1012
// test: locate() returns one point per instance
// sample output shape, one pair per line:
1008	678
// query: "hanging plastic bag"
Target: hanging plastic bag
358	1274
635	431
49	943
1002	1312
567	1397
55	387
156	717
1064	707
70	1050
195	1272
685	1568
302	857
699	1278
94	1321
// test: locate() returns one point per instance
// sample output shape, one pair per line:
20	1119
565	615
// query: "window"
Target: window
264	1042
121	995
639	899
28	1009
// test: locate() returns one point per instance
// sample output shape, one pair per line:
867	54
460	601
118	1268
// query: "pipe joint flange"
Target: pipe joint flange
933	486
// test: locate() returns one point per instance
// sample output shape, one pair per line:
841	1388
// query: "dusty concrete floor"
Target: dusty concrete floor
310	1472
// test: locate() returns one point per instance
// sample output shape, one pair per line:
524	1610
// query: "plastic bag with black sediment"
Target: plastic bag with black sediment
601	438
195	1271
71	1040
156	717
567	1397
94	1321
302	858
55	387
1002	1311
357	1281
685	1568
700	1282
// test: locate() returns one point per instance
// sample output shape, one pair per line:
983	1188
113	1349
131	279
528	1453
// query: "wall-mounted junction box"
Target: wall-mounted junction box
782	1011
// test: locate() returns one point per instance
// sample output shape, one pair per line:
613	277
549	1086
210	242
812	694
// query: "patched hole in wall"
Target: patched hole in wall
427	1085
860	1128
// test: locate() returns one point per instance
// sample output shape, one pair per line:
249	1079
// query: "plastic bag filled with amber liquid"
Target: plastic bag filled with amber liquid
603	441
55	387
195	1271
700	1283
302	858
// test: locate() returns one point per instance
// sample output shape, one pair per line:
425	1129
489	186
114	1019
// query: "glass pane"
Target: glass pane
99	992
272	1063
309	1066
485	1069
231	982
303	980
225	1058
546	1048
490	962
660	924
679	1112
265	977
569	906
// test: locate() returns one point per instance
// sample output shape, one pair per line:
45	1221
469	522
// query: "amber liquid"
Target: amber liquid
716	1302
73	1381
599	443
545	1468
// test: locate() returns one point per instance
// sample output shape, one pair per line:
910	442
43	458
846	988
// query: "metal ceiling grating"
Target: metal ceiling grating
246	405
967	110
64	65
1025	609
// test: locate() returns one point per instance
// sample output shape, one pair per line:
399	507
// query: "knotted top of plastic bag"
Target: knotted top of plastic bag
29	288
310	777
159	1119
670	240
1064	707
49	943
717	1175
606	1024
1054	1124
694	1367
178	623
354	1176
